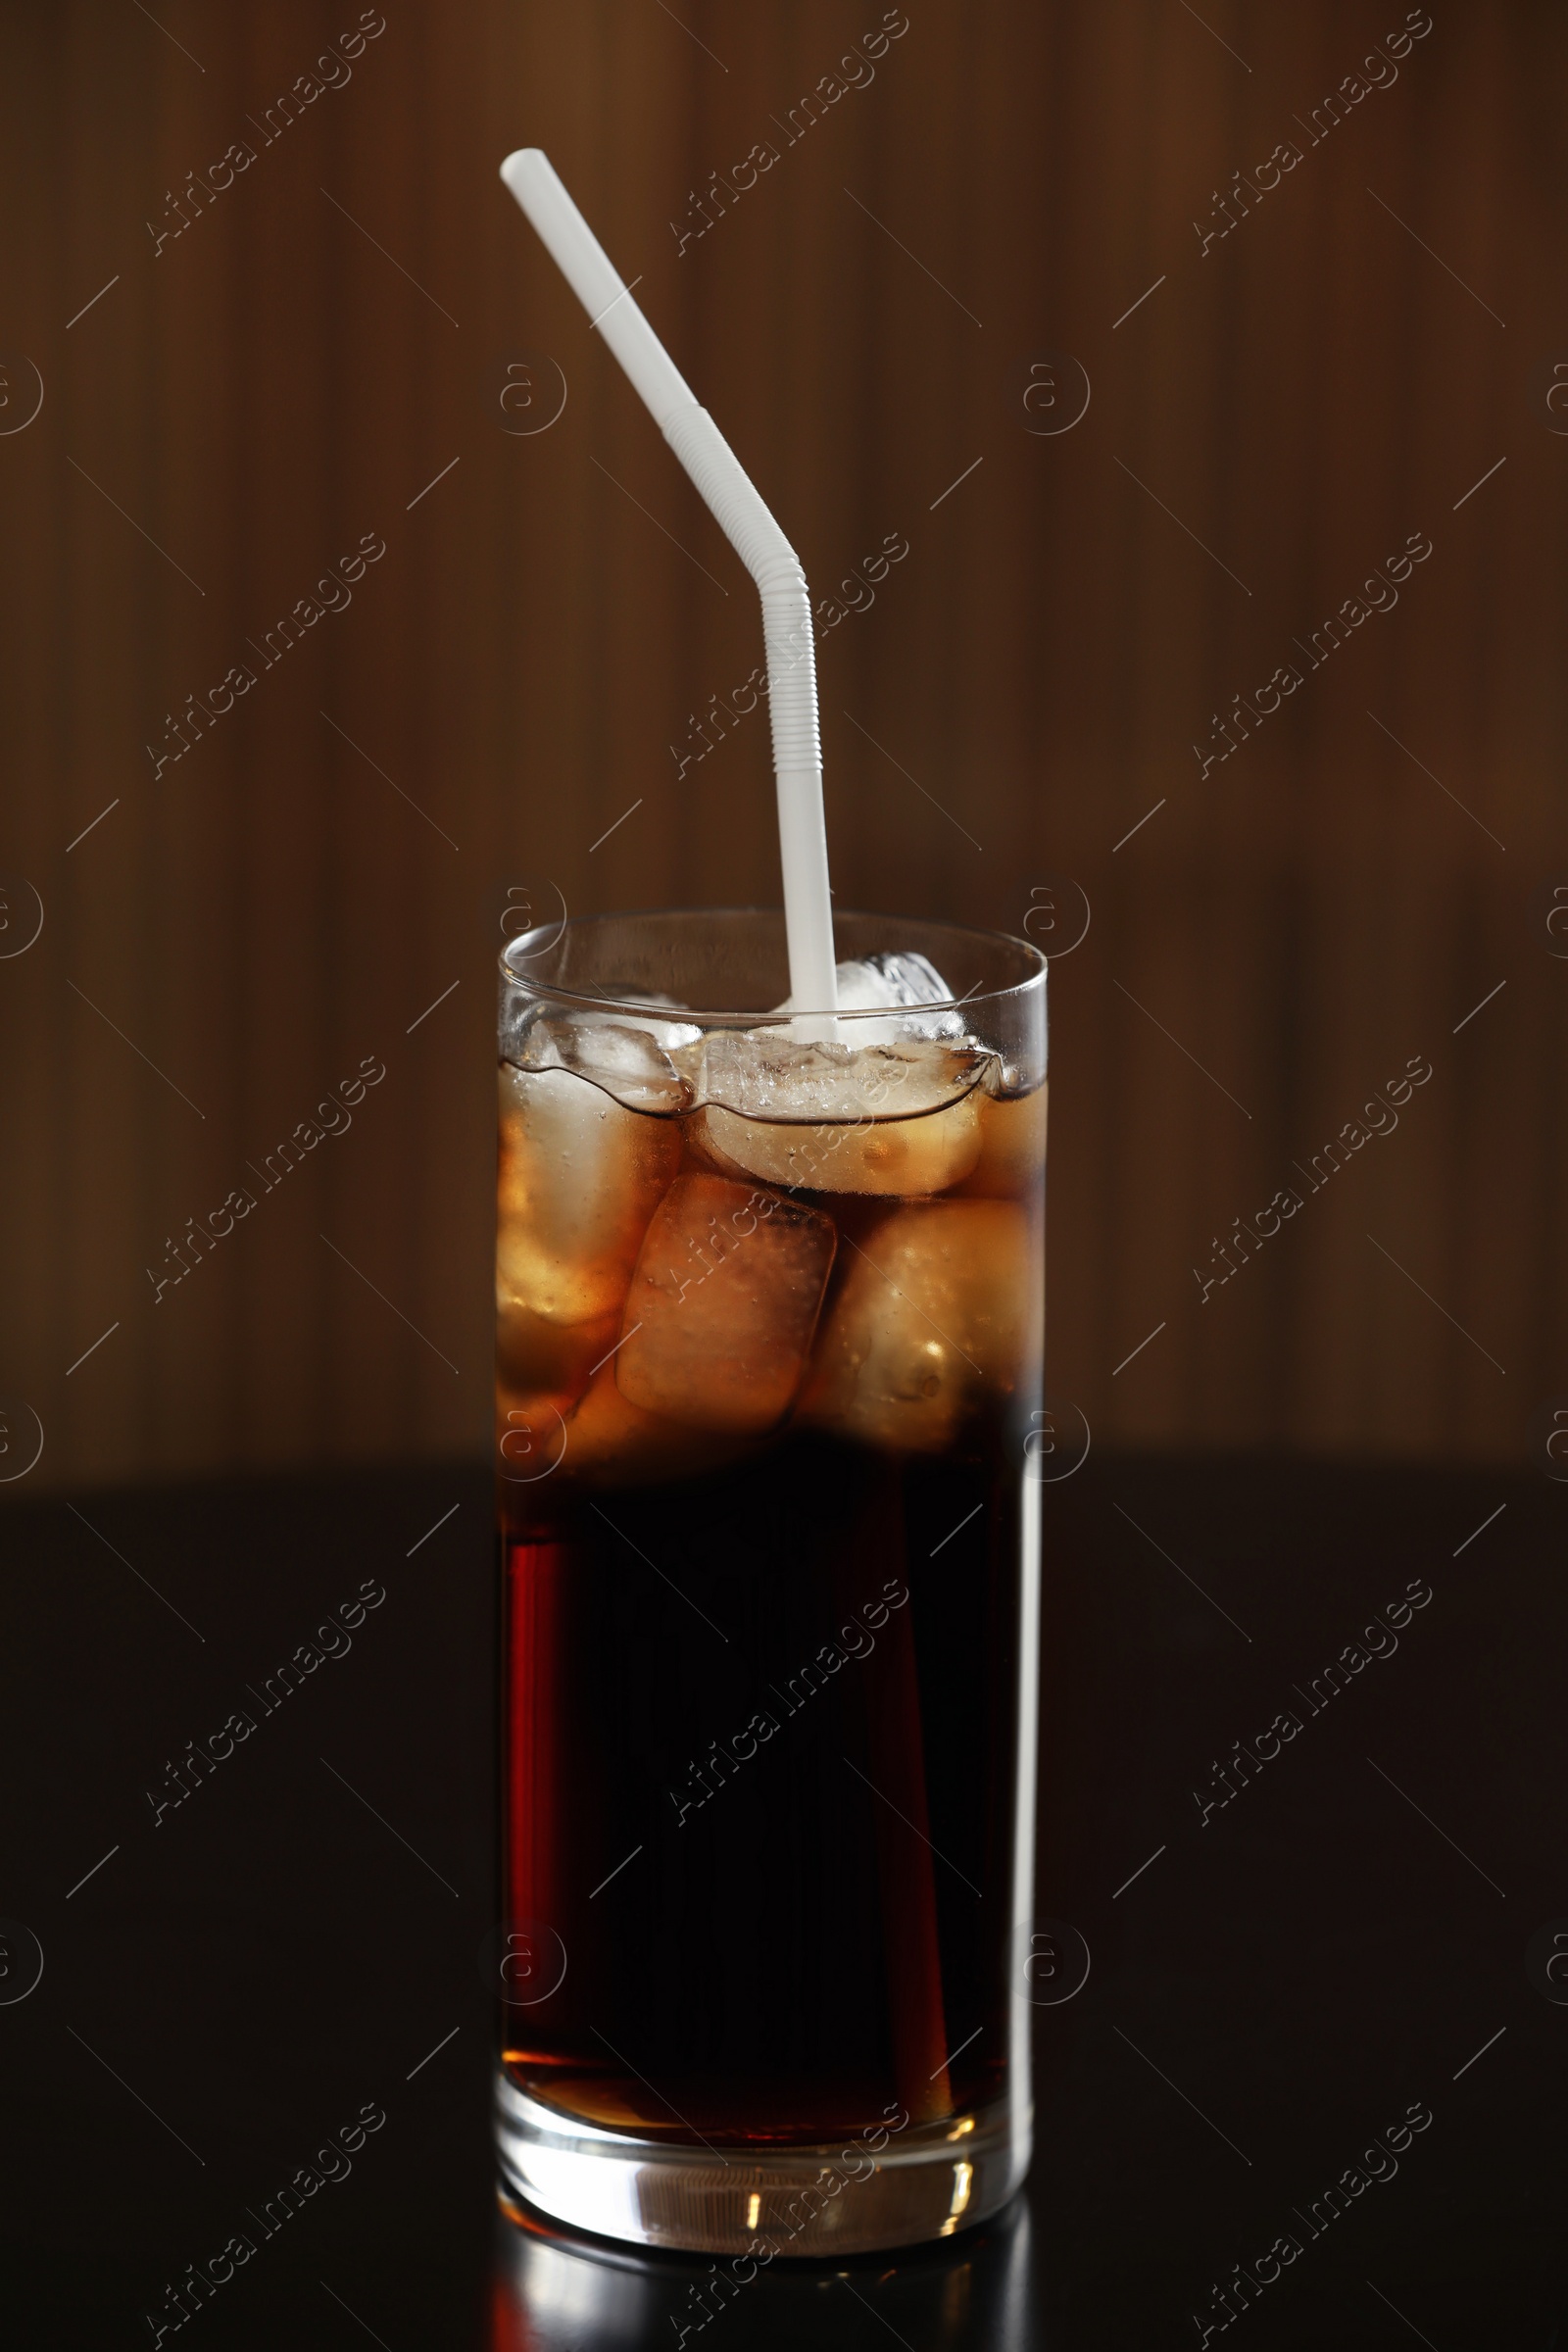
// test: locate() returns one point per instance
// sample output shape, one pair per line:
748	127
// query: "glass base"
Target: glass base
923	2182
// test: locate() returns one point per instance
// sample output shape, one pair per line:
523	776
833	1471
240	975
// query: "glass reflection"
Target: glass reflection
557	2292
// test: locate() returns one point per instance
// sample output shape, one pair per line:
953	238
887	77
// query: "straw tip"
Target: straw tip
521	161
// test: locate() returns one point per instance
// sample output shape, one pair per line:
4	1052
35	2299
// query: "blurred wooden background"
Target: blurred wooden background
330	334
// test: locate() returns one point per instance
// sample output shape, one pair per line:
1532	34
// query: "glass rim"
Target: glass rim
551	933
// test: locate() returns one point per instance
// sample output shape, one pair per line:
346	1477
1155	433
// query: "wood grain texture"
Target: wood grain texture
327	334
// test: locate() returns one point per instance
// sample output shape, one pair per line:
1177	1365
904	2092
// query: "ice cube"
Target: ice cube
911	977
546	1363
580	1176
937	1309
724	1302
530	1434
626	1060
893	979
611	1442
665	1032
908	1156
890	979
901	1118
768	1074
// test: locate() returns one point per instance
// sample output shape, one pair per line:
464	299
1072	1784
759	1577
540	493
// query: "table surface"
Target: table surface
1358	1931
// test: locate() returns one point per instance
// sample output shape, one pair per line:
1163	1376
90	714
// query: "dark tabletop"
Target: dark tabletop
1363	1930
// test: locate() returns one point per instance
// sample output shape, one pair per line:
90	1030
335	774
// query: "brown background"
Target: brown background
270	385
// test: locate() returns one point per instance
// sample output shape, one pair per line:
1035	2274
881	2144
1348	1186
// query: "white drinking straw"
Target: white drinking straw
755	538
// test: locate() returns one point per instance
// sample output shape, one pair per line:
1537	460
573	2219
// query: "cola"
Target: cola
769	1338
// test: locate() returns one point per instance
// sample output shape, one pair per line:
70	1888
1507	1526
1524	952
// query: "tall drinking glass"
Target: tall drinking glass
770	1305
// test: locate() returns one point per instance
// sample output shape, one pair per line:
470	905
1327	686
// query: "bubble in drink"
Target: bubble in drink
723	1303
